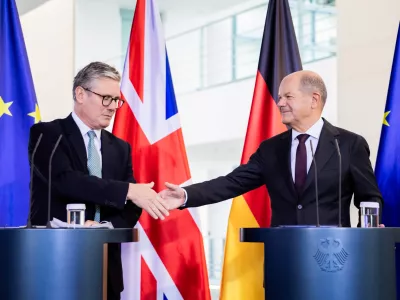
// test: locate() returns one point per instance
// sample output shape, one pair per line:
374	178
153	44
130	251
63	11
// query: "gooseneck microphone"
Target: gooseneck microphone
316	182
49	191
28	221
340	182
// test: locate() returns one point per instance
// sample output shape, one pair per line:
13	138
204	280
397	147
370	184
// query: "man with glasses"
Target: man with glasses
91	165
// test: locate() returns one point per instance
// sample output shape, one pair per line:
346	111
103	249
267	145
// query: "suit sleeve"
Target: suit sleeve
128	217
68	183
365	185
241	180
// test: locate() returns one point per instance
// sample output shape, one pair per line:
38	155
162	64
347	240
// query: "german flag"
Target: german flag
242	276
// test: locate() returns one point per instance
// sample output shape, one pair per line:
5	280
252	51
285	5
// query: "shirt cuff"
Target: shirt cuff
184	204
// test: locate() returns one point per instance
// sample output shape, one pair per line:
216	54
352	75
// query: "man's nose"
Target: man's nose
113	106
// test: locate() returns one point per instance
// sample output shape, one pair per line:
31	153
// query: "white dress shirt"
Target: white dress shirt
84	131
314	132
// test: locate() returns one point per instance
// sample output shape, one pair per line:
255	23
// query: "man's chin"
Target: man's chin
104	125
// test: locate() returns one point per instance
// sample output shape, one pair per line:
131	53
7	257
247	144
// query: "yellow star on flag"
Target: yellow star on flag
4	107
36	114
385	122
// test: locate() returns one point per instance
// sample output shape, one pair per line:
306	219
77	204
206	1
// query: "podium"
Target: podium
48	264
327	263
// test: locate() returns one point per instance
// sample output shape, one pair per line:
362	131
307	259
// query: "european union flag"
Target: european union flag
18	112
387	169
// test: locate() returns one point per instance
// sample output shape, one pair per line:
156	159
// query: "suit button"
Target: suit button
299	206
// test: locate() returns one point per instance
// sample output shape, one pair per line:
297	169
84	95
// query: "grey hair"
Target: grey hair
93	71
314	83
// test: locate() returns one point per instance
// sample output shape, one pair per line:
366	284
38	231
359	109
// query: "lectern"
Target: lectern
48	264
327	263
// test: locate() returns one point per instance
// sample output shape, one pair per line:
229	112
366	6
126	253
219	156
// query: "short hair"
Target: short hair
93	71
314	83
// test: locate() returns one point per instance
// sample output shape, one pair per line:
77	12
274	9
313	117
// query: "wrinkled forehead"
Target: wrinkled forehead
106	86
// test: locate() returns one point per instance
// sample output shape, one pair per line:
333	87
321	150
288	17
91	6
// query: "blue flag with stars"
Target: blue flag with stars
18	112
387	169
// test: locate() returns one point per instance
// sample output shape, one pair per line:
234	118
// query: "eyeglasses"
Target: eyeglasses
108	99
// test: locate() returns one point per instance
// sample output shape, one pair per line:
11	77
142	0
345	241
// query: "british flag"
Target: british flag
168	262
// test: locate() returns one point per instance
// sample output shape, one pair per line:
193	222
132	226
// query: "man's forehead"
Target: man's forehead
104	81
288	84
105	84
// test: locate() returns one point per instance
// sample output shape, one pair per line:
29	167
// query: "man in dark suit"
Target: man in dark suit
91	165
284	164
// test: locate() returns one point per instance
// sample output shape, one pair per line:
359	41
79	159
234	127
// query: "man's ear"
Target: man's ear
316	100
79	92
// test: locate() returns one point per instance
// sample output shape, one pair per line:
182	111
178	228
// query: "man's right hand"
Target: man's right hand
145	197
174	195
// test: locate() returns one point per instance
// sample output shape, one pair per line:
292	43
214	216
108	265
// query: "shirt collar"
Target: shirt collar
84	129
314	131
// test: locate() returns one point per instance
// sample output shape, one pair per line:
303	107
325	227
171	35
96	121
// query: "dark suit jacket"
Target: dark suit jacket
71	182
270	166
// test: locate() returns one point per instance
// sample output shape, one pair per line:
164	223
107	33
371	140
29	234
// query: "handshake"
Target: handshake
157	205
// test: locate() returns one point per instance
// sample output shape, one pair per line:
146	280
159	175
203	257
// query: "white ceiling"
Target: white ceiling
197	6
25	6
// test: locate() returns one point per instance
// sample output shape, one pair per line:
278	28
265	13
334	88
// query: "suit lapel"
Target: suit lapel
107	156
325	150
75	139
283	154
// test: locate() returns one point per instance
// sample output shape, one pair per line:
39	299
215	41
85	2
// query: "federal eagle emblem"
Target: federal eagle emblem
331	255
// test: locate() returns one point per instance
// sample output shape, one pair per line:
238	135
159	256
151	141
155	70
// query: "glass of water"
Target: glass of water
76	214
369	214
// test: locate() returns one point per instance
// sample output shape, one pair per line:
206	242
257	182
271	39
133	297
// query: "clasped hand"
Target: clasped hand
173	196
143	195
156	205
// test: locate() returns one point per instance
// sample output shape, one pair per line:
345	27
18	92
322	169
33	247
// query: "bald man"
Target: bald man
284	164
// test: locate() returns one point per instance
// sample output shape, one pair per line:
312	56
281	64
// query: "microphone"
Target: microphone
28	221
316	182
49	192
340	182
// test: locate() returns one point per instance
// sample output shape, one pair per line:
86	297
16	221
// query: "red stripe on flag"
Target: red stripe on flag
136	48
264	123
148	283
177	239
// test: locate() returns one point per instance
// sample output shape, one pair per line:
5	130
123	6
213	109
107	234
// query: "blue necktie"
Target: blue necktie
94	166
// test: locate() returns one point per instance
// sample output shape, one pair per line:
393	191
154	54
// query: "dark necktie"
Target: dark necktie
301	163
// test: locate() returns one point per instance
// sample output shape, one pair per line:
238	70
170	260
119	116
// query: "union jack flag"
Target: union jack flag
168	262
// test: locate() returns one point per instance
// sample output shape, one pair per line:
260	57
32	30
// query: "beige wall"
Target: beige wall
367	32
51	55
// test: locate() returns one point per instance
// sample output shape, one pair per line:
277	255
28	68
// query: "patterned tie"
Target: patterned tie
301	163
93	164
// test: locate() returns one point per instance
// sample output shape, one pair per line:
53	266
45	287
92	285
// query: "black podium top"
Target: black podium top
264	234
101	235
